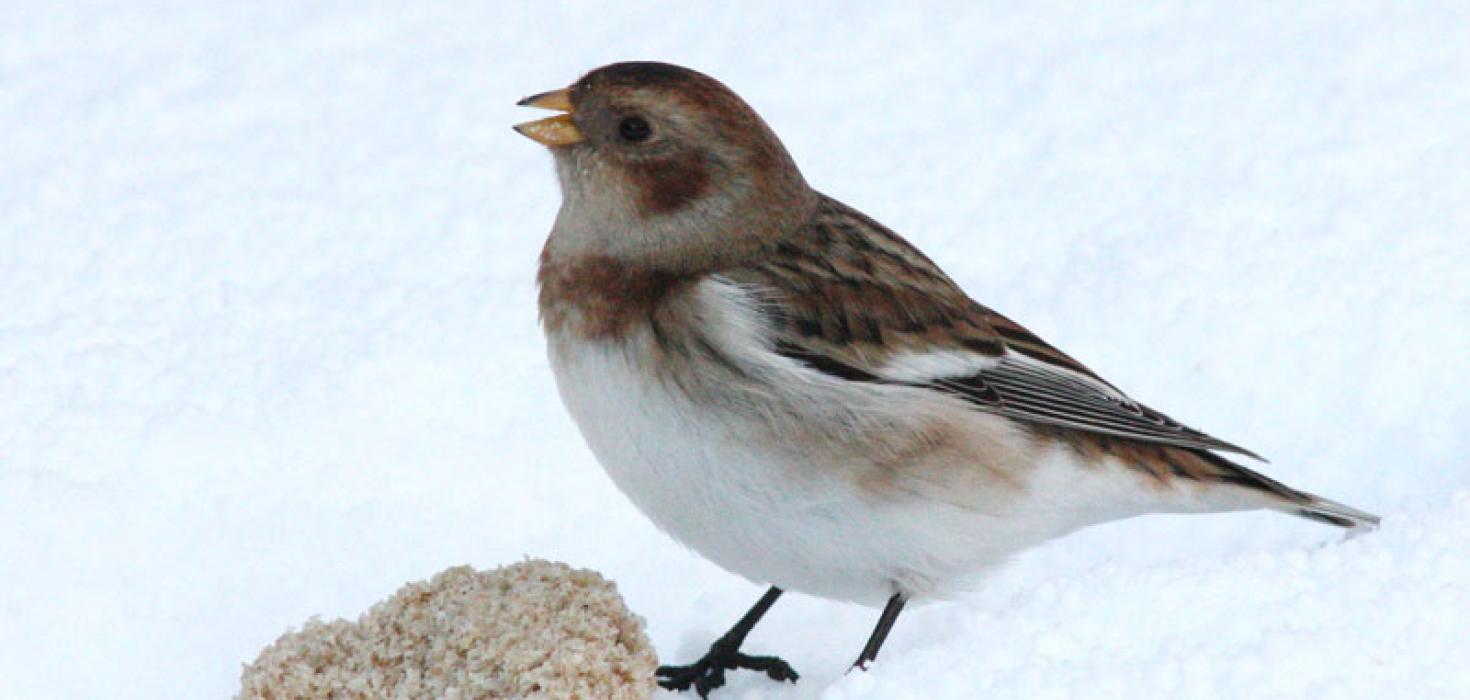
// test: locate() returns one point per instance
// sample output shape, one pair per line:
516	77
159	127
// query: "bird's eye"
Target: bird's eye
634	129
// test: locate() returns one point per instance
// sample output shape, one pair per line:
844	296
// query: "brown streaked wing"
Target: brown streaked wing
846	295
848	288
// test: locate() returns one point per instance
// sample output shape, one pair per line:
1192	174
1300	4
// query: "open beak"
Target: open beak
552	131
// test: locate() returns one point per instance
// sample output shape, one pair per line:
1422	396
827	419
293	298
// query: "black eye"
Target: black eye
634	129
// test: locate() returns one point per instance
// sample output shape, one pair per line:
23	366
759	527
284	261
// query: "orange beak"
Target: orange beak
554	131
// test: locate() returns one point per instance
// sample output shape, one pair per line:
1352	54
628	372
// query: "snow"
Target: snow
269	347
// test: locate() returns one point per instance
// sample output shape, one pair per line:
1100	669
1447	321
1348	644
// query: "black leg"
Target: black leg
880	633
708	673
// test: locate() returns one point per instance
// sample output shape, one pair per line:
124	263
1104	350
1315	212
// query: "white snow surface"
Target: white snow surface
268	346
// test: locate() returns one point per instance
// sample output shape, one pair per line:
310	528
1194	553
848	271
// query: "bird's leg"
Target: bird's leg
708	673
880	632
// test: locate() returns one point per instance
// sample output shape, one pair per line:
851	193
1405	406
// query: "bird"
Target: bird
798	394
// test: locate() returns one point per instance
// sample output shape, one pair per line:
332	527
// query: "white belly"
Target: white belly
696	476
715	479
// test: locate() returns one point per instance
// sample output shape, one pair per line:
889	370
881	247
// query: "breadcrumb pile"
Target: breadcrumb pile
536	629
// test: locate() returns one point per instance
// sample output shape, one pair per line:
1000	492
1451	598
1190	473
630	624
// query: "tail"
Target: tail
1283	498
1331	512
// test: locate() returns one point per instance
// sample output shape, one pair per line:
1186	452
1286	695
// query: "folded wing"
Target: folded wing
851	299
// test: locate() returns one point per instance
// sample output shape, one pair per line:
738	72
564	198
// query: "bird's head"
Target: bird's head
665	166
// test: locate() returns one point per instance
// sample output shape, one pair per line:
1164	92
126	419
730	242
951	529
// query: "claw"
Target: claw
708	673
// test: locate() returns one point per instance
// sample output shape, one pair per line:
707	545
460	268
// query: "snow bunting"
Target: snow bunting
798	394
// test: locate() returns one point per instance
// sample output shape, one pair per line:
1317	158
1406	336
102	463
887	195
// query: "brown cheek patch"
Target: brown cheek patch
606	297
670	184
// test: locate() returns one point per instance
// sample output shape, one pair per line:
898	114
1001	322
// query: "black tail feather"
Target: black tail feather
1290	500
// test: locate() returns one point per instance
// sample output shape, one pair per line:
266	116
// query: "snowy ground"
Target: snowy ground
268	346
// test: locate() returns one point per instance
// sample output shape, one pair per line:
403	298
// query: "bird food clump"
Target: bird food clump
536	629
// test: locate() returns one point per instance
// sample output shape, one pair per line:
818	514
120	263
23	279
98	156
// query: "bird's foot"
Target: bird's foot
708	673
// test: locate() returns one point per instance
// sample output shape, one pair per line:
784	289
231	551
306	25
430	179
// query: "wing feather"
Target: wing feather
849	298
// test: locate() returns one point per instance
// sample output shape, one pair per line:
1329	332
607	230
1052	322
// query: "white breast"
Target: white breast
787	480
700	476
